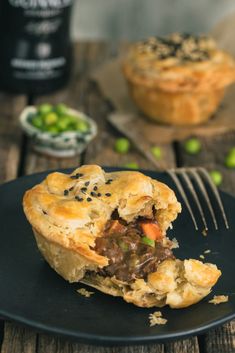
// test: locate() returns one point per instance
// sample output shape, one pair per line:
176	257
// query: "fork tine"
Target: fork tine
217	195
173	175
194	194
201	186
195	172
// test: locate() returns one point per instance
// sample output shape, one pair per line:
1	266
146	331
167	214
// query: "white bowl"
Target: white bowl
63	144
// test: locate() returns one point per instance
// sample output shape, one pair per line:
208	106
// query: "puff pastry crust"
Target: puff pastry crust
69	212
179	79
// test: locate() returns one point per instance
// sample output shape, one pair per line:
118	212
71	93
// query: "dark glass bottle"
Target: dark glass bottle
35	55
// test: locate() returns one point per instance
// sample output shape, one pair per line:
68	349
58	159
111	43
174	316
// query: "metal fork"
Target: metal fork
198	176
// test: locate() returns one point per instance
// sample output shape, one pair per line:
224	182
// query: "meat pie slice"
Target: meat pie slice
108	230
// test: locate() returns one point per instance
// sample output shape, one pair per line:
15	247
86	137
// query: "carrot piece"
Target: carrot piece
151	230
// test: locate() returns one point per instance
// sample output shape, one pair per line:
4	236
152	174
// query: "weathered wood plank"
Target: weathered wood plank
18	339
10	135
38	163
184	346
221	340
48	344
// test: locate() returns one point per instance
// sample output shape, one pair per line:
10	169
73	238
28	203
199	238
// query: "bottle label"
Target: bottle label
37	69
40	9
40	4
38	45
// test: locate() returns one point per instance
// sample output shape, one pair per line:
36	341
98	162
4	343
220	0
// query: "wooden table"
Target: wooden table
17	158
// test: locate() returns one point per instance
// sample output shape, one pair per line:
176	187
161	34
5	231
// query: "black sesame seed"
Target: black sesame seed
108	194
72	187
66	192
76	176
87	183
44	212
109	181
99	194
83	190
95	188
89	199
78	198
93	193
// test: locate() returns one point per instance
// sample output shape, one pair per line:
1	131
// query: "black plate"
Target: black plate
33	294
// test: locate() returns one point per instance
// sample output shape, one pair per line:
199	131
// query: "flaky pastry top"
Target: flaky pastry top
73	209
179	62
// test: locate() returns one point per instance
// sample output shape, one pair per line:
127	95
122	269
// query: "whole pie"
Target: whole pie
108	230
179	79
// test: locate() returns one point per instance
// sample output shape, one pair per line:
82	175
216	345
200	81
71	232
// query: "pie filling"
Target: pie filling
134	250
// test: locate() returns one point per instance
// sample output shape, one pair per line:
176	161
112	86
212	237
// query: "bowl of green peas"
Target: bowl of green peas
57	130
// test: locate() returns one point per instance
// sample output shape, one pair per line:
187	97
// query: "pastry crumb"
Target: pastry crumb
85	292
204	232
202	256
175	243
157	319
218	299
207	251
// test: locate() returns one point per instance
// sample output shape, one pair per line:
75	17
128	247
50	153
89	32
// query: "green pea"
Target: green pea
192	146
63	123
53	129
37	122
74	119
61	109
157	152
216	176
230	158
147	241
45	108
122	145
131	165
82	126
50	118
